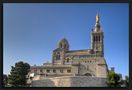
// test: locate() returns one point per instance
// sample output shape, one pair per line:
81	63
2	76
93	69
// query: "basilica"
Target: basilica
66	62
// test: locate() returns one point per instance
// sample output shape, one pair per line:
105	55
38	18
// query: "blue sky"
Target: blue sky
32	31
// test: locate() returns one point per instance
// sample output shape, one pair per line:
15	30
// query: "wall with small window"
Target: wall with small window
68	61
52	71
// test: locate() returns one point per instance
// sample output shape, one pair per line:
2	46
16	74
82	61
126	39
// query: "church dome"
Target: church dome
63	44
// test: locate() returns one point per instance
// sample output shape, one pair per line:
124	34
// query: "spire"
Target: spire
97	25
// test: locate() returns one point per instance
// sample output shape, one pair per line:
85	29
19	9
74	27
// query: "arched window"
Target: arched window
54	71
58	56
96	39
67	60
87	74
99	38
68	70
48	71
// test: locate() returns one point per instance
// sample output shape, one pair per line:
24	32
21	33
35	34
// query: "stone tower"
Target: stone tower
59	53
97	38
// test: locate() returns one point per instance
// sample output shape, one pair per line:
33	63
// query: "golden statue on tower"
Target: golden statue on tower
97	18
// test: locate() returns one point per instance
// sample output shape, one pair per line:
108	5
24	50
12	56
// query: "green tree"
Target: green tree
113	79
5	80
17	77
126	81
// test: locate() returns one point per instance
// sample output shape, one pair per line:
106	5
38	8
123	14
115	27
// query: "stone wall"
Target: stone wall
71	81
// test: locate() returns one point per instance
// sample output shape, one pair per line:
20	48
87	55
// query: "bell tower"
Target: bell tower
97	37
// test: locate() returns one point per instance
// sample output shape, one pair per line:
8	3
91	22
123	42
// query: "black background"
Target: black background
66	1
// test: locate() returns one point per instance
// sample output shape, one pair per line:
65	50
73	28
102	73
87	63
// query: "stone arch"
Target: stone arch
87	74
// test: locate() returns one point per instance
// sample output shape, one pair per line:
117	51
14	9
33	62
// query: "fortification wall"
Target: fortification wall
70	81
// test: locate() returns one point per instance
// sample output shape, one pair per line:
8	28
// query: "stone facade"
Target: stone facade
65	62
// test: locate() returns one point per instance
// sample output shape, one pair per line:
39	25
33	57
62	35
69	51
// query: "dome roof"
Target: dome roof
64	40
63	43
